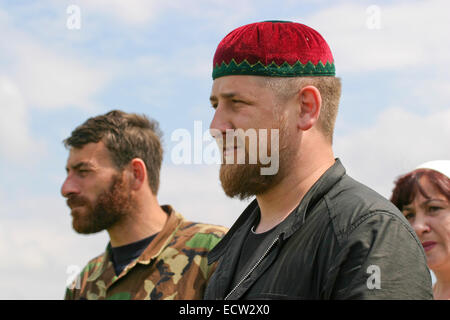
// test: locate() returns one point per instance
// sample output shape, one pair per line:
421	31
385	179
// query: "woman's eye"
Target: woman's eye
433	208
408	215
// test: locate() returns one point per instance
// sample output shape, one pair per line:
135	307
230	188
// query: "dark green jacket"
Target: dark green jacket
343	241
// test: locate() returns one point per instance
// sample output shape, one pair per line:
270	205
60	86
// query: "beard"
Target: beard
245	180
110	207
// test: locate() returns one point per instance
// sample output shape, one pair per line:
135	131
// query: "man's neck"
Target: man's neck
144	222
278	202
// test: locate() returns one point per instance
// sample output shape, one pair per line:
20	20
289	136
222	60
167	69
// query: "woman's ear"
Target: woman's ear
310	104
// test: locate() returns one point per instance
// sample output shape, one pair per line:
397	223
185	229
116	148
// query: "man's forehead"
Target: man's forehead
91	153
236	85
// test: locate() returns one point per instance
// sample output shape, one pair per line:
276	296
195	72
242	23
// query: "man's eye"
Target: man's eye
434	208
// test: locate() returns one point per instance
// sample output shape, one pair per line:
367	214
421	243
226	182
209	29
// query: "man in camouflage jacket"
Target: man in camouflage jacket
173	266
111	184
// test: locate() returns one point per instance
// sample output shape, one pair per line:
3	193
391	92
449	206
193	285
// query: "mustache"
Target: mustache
76	201
236	141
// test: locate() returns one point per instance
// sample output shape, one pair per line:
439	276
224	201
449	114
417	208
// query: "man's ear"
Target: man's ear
310	104
138	173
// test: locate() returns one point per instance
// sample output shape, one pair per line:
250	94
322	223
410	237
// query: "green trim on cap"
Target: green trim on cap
274	70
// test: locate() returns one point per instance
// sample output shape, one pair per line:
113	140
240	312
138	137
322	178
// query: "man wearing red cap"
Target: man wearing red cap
312	232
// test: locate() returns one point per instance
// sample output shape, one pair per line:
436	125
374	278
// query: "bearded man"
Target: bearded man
312	232
111	184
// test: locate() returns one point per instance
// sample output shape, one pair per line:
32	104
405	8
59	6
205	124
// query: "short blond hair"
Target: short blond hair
330	91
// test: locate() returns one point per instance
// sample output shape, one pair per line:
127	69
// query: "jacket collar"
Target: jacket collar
164	237
318	190
295	220
244	218
154	249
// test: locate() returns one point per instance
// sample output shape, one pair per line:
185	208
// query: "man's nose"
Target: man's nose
69	187
220	123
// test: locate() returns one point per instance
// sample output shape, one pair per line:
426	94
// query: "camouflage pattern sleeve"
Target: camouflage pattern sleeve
75	290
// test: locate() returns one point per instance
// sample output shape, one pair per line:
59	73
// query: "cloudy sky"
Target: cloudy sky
155	57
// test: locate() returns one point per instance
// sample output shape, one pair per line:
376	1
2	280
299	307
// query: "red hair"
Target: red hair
406	186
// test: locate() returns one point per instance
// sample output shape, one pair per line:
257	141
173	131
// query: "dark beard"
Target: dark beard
110	207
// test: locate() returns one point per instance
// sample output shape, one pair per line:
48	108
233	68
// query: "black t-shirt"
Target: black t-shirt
123	255
249	247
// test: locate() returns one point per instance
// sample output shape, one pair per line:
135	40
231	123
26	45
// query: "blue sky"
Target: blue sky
155	57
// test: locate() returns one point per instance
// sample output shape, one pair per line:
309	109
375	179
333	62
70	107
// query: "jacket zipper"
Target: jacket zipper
253	268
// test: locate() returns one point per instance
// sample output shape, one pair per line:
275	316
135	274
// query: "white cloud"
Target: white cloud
48	77
222	15
412	35
195	191
132	12
194	61
16	142
397	142
164	74
433	92
38	244
142	13
52	81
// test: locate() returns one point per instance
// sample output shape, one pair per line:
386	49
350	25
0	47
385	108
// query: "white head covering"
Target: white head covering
442	166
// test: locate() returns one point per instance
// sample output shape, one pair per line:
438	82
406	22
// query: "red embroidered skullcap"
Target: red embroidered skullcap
273	48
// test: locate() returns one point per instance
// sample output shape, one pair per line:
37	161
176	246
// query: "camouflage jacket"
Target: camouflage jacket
173	266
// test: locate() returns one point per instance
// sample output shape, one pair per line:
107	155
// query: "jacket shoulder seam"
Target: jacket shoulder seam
372	213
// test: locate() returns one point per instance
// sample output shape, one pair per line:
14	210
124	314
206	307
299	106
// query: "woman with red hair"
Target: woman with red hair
423	196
